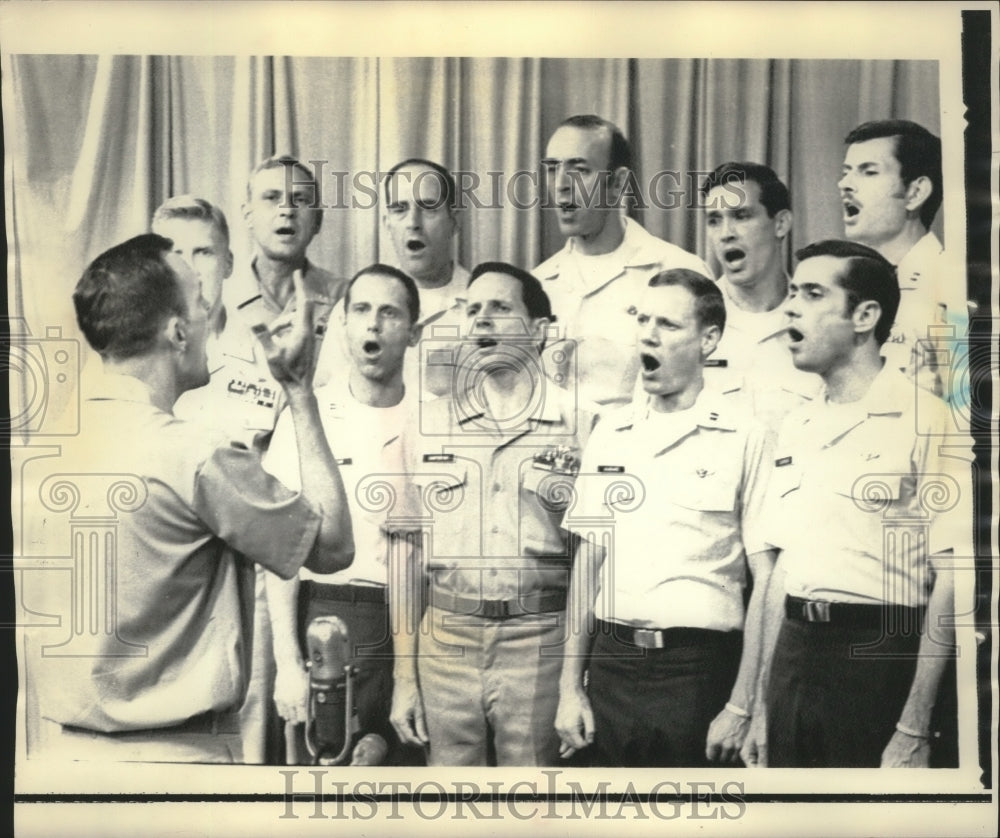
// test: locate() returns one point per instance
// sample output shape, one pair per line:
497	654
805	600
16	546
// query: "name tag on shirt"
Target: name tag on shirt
611	469
716	362
783	461
345	462
439	458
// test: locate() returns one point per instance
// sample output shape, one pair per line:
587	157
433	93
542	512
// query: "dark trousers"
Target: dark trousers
653	707
835	694
371	656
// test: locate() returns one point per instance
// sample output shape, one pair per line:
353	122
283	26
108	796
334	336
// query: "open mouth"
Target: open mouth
285	231
794	335
649	362
486	343
415	246
371	347
851	209
734	254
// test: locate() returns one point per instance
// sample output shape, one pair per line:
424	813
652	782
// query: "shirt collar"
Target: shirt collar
711	410
889	394
244	286
112	386
638	249
922	253
774	319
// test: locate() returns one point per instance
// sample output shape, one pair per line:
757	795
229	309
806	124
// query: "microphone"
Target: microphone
330	723
370	750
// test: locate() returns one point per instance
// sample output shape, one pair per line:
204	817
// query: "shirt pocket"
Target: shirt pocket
552	490
785	480
871	484
709	488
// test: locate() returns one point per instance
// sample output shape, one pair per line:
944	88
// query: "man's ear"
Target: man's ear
540	329
318	214
918	192
416	331
175	333
229	264
710	336
782	223
866	315
619	178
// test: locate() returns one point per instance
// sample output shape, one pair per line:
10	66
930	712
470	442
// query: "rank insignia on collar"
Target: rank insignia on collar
439	458
702	472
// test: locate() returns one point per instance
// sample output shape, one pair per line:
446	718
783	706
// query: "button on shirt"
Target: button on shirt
594	299
493	498
242	397
752	359
681	493
860	495
368	444
180	587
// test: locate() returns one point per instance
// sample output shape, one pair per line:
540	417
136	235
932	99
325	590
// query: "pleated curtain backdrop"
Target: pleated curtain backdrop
97	142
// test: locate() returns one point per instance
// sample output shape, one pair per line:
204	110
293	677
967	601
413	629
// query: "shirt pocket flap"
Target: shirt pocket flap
705	489
785	479
866	481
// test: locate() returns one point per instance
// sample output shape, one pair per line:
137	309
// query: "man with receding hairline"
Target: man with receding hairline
671	673
368	412
477	678
598	276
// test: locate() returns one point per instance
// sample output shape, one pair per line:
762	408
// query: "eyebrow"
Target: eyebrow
572	161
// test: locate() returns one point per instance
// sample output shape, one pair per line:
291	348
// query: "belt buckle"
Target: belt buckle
816	611
495	609
647	638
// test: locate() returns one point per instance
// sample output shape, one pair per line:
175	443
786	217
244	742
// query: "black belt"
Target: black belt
345	593
665	638
499	609
851	614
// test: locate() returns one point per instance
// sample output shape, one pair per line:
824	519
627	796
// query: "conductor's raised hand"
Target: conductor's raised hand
290	341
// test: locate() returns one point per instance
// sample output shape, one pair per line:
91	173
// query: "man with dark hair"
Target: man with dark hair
748	217
477	677
596	279
863	591
891	190
661	614
368	413
178	571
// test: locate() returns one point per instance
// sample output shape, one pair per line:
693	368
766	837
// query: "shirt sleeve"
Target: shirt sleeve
757	462
282	456
253	512
943	456
590	485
